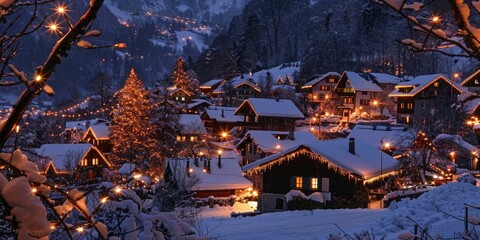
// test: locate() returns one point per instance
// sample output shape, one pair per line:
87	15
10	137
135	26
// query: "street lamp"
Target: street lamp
383	145
474	156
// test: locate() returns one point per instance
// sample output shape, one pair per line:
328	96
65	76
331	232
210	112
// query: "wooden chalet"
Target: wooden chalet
208	87
180	95
191	128
243	88
82	162
339	169
387	83
269	114
357	94
258	144
99	136
320	88
417	98
472	82
218	120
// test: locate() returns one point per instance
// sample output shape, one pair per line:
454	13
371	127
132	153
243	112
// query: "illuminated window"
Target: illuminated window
176	98
83	162
298	182
436	84
193	138
409	105
184	138
183	99
314	183
402	105
179	138
423	121
331	80
95	161
407	119
435	93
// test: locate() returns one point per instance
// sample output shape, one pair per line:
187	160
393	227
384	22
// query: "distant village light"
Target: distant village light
38	78
278	147
61	9
104	200
224	134
137	176
435	19
118	189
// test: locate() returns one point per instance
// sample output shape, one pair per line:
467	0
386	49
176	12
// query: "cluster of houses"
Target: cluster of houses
257	144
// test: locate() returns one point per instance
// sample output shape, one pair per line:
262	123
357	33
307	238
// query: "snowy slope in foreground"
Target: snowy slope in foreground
388	222
431	209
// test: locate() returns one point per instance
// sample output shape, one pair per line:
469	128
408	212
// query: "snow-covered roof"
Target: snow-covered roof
223	114
127	168
268	141
386	78
230	176
376	135
361	84
211	83
101	132
173	90
192	124
368	161
458	140
196	102
471	105
65	156
475	74
239	81
320	78
421	82
272	108
82	125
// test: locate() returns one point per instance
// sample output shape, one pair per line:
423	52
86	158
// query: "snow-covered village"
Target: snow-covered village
243	119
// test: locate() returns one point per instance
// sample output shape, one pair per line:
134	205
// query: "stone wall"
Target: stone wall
267	202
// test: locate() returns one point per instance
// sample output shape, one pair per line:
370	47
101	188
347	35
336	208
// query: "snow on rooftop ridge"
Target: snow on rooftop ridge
361	84
225	114
267	140
376	135
458	140
364	163
420	82
127	168
320	78
267	107
386	78
211	83
101	131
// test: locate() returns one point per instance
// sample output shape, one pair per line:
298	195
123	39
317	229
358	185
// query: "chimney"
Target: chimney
389	128
223	114
188	167
351	145
291	135
208	165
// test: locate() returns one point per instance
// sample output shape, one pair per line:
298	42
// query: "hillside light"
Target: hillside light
435	19
38	78
278	147
118	190
80	229
456	75
224	134
61	10
375	103
104	200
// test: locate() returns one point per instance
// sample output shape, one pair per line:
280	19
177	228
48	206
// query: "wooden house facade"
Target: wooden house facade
269	114
339	169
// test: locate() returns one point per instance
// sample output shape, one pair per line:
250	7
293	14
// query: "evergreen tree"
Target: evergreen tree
181	78
131	128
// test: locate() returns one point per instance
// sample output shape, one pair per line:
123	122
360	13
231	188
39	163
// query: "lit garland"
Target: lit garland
305	151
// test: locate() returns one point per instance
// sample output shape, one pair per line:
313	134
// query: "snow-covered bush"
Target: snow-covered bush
467	178
297	200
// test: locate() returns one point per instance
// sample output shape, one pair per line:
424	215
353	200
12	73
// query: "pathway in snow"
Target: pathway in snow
292	225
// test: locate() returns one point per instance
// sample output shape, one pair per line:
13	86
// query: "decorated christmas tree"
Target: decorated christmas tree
131	130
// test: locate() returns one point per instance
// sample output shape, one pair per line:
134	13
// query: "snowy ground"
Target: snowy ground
429	209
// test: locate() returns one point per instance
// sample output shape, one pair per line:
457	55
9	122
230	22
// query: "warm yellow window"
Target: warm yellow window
314	183
95	161
298	182
179	138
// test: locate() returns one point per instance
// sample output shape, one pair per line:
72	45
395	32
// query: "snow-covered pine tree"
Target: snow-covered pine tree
131	129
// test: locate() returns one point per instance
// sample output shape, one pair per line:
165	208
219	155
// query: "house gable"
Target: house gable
473	80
